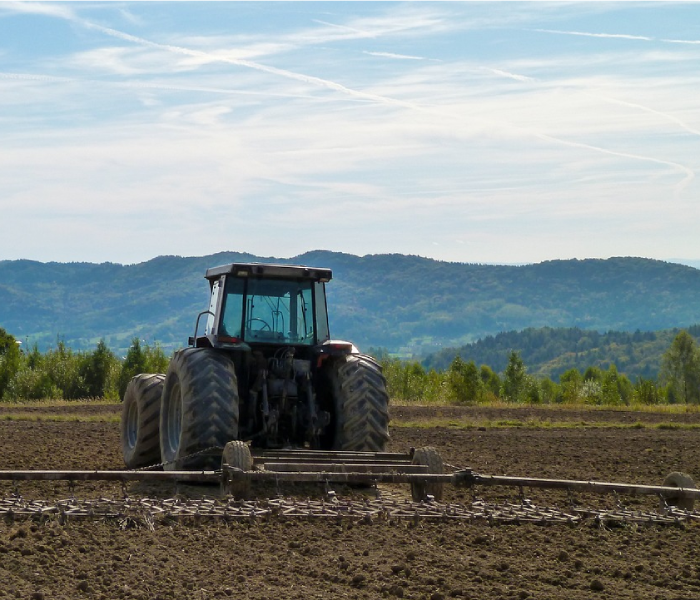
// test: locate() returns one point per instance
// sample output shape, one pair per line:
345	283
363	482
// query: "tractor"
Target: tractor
261	368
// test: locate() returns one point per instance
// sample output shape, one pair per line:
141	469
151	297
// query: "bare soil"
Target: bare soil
316	558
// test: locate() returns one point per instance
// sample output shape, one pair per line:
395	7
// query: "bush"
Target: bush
141	360
61	373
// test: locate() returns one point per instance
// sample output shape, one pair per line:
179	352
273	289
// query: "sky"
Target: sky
491	132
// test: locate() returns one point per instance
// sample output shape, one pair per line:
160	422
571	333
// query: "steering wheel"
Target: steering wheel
265	324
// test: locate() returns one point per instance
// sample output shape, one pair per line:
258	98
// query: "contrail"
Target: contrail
694	42
358	32
392	55
318	81
62	12
509	75
623	36
148	86
689	173
676	120
34	77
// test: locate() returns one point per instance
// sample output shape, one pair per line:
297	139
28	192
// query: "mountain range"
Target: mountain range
408	305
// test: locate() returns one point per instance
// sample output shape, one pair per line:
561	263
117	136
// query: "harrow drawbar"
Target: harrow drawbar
367	468
469	478
58	475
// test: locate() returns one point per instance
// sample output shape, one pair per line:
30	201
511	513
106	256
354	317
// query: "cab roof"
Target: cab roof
264	270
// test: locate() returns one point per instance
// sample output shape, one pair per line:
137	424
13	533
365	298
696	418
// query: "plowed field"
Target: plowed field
343	558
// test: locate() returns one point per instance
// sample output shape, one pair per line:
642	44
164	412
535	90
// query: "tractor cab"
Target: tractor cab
254	304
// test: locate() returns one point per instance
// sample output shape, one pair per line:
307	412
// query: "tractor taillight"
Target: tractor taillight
340	345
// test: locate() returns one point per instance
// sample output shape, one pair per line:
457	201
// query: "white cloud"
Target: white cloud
181	132
40	8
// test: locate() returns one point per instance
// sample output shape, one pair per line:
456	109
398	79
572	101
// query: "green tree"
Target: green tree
532	390
646	391
412	381
514	378
96	369
6	341
570	384
592	392
549	391
155	359
680	370
609	388
10	361
406	381
62	367
134	363
625	389
34	358
464	382
490	381
593	374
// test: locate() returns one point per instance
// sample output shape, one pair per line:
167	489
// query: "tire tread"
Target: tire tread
361	404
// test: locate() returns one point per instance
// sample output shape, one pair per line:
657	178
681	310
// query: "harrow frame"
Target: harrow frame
368	468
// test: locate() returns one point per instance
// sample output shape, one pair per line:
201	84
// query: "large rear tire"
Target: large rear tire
199	409
140	424
360	417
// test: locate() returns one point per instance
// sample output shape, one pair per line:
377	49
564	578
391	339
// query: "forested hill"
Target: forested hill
402	303
550	352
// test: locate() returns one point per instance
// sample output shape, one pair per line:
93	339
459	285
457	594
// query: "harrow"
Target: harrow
137	512
422	468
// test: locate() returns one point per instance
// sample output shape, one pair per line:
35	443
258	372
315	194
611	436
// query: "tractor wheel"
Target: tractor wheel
199	409
141	420
237	455
431	458
360	405
679	480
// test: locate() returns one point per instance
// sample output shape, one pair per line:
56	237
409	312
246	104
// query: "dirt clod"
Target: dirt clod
597	585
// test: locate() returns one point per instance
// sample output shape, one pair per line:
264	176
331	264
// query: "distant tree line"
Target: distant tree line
463	382
61	373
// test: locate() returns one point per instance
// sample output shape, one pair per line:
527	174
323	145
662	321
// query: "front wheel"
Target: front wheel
360	411
199	409
140	421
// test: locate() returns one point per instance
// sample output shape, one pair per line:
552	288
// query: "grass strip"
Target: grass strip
49	418
57	403
534	424
671	409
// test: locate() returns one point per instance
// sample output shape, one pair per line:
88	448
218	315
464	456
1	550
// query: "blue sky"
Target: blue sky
470	132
